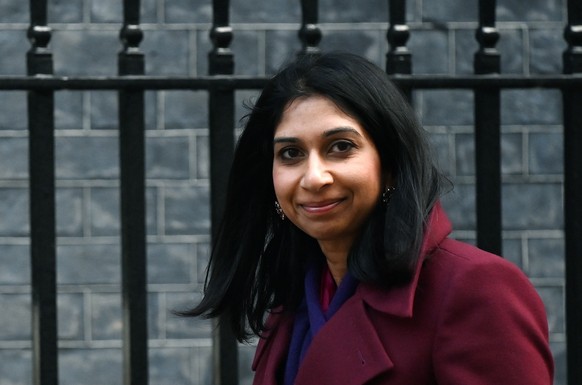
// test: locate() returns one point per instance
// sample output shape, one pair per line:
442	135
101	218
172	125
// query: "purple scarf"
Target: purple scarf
310	318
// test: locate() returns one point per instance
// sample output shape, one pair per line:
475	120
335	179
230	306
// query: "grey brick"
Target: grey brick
149	11
62	11
104	113
71	316
69	110
245	48
15	317
86	52
15	262
15	366
559	353
546	50
532	206
69	212
90	366
106	11
170	263
511	49
14	220
14	158
104	214
87	157
465	154
346	11
187	210
546	258
552	297
465	48
202	157
186	11
185	327
512	251
13	111
171	366
106	319
430	50
202	258
203	47
546	153
167	52
447	107
531	107
246	354
89	264
281	11
442	151
449	10
281	46
14	46
460	206
362	42
186	109
14	12
168	158
202	366
155	317
534	10
512	153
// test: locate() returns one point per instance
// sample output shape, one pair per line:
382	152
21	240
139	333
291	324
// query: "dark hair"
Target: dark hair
258	261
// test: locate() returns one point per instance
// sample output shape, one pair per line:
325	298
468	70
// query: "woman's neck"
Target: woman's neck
336	256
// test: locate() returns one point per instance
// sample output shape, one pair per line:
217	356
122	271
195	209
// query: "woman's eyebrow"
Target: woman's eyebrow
340	130
285	139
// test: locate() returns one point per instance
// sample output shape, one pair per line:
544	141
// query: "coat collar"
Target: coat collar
399	301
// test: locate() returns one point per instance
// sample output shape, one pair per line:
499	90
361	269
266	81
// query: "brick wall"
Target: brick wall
85	42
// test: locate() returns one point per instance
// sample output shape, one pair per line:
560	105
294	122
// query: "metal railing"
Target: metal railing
221	84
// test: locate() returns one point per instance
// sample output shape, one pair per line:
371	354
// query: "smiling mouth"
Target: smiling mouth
320	207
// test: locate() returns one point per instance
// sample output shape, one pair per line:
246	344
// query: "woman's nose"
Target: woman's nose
316	175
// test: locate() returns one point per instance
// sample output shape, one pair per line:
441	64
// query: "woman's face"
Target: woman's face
326	171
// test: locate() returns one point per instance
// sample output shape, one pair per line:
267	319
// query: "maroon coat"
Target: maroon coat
467	318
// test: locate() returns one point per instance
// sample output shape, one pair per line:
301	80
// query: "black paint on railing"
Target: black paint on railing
132	189
572	101
488	134
221	137
309	33
41	160
398	58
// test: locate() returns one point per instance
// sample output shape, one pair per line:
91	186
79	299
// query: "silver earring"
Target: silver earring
279	211
387	195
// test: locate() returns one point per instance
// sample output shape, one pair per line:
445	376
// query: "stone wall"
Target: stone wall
85	42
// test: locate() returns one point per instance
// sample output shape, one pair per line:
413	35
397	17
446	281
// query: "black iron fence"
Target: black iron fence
221	84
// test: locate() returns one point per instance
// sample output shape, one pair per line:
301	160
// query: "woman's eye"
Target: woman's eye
290	153
342	146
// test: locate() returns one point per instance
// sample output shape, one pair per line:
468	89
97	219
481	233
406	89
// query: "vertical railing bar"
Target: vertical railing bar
221	137
488	134
398	57
572	100
42	203
132	195
310	33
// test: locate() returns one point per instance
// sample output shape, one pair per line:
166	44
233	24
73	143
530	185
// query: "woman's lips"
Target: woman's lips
320	207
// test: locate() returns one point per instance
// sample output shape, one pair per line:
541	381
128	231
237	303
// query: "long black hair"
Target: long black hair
258	262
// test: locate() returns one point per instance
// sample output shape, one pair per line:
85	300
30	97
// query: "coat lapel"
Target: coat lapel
272	349
347	350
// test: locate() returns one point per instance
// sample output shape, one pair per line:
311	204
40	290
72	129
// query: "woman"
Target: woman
334	250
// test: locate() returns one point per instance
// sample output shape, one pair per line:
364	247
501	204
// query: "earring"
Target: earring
387	195
279	211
